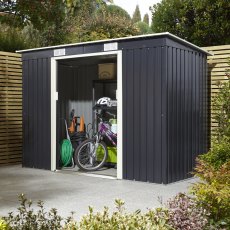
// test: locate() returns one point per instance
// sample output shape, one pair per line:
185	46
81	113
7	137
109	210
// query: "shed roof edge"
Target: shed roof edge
118	39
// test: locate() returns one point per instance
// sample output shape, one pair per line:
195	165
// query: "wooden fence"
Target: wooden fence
217	67
10	108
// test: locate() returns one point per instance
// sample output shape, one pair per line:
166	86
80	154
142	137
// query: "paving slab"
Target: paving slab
71	191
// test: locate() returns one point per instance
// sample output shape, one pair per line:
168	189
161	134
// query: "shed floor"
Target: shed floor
111	172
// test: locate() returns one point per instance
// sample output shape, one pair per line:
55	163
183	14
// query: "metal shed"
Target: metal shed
162	103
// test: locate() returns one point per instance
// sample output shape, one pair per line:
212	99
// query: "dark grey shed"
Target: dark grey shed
164	104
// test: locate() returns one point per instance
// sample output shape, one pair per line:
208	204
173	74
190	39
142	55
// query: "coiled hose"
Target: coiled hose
66	152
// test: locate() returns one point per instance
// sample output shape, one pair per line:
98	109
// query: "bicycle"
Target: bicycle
92	153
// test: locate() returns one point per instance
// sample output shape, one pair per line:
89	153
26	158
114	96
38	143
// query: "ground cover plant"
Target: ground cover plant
180	212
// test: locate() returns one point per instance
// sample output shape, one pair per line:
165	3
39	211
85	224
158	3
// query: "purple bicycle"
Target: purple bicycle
92	154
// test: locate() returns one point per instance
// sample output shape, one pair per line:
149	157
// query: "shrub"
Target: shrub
153	219
181	213
27	218
219	154
12	39
213	192
184	213
3	225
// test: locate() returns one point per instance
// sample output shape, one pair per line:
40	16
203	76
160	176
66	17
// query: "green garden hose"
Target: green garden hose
66	152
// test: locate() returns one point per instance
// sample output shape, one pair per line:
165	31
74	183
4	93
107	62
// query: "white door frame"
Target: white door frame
54	98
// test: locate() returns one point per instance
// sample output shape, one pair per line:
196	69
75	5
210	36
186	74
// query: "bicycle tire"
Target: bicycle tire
80	150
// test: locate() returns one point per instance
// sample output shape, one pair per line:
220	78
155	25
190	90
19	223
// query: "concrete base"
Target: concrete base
111	172
72	191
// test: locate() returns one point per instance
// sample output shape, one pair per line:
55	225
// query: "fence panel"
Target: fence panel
218	64
10	108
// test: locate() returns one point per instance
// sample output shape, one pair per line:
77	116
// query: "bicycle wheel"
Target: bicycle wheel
90	156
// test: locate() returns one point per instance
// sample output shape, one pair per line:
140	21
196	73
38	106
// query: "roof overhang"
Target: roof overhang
120	39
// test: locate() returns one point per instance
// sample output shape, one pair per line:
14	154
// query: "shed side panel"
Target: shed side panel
142	114
36	113
187	110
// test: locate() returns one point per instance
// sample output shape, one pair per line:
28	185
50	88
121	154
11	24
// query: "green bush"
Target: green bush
213	191
219	154
27	218
181	212
153	219
12	39
3	225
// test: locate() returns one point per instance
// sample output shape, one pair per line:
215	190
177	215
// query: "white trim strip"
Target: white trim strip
53	112
119	118
119	108
117	39
97	175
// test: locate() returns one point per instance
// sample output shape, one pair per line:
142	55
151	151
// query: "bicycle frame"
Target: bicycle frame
105	131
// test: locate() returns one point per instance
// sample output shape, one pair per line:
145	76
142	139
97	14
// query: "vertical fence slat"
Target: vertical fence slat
217	67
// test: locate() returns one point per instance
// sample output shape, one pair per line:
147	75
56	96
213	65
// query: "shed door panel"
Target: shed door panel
142	114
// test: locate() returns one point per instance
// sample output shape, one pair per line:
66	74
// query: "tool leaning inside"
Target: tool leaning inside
75	135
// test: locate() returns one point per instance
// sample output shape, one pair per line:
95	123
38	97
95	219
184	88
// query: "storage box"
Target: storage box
112	154
107	71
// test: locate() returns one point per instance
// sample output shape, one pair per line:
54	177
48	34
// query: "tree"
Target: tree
105	26
113	10
143	28
52	18
203	22
146	19
136	15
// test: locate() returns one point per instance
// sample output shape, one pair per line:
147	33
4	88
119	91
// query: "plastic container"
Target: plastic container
113	123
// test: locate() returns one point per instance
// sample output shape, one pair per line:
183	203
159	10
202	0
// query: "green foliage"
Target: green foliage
203	22
27	218
136	15
121	220
3	225
45	23
146	19
221	104
143	28
219	154
213	168
213	192
76	7
181	213
12	39
111	10
52	19
105	27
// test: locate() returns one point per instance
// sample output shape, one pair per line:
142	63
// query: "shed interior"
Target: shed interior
80	83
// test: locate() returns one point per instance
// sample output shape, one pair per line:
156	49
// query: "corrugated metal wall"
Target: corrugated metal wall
186	111
75	91
165	112
36	113
142	105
